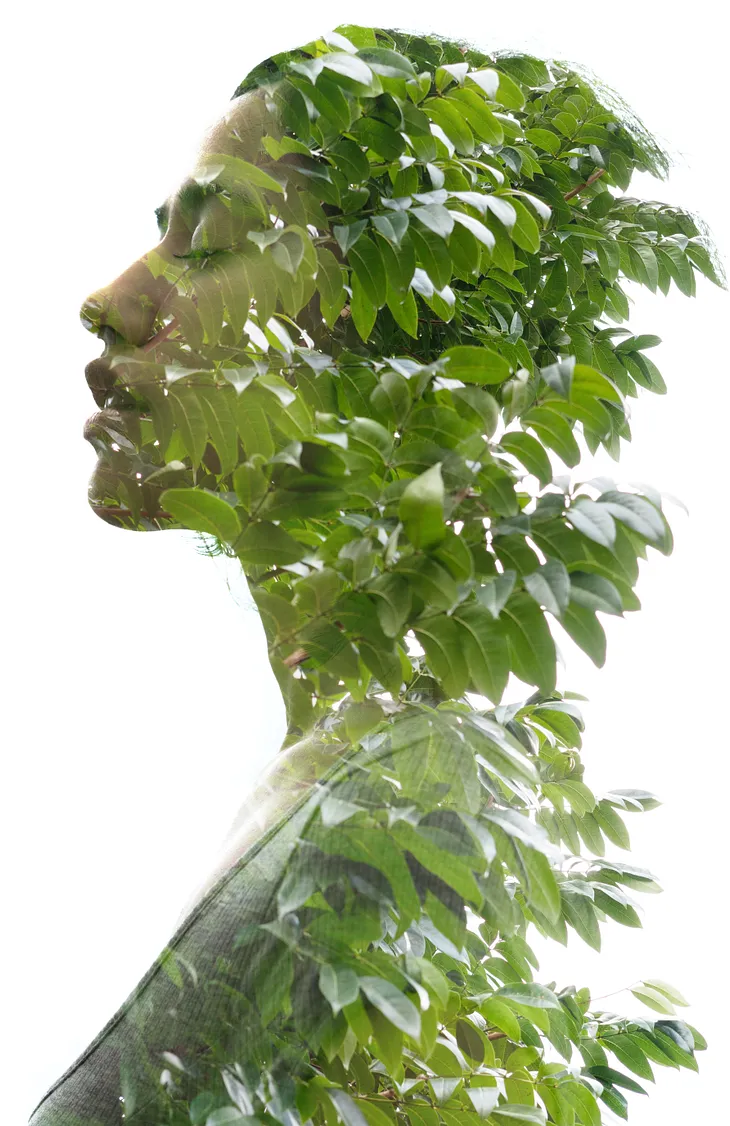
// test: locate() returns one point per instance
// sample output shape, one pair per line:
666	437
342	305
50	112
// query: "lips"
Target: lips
111	423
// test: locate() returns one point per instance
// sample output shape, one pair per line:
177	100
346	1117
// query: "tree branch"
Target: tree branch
109	510
161	335
591	179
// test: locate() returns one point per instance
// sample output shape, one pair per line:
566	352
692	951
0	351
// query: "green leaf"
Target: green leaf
363	310
435	217
611	824
388	63
471	364
532	648
421	509
554	432
267	544
615	1101
230	269
430	582
584	1102
392	226
382	139
432	253
502	1017
529	451
393	1004
347	234
544	139
476	228
529	994
455	555
442	642
586	631
232	173
594	521
393	604
542	890
667	990
581	915
203	512
494	593
485	649
388	1040
702	260
645	262
346	1108
189	419
367	262
525	232
405	312
485	125
221	423
509	1113
226	1116
638	514
501	753
377	848
339	985
630	1055
330	285
550	586
452	121
595	593
654	999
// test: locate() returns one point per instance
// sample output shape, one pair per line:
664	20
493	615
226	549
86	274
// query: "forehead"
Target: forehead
238	132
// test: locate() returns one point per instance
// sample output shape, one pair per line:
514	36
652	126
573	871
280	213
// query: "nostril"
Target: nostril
93	317
109	335
91	313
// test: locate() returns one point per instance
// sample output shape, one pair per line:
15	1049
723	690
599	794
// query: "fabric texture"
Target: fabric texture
161	1016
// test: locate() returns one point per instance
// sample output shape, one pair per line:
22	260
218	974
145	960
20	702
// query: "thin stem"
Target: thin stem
161	335
591	179
110	510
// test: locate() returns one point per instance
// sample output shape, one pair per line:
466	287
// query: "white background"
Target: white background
139	699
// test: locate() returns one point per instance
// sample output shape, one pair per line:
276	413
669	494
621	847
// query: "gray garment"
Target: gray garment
159	1016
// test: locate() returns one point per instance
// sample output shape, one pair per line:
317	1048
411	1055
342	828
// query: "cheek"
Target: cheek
215	229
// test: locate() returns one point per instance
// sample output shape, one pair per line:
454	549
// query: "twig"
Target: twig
111	511
591	179
161	335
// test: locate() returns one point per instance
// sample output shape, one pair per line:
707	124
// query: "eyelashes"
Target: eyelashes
198	254
162	215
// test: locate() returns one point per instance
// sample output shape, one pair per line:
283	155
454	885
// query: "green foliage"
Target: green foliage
395	331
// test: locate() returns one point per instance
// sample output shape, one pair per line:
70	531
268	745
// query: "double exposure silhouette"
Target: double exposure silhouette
376	318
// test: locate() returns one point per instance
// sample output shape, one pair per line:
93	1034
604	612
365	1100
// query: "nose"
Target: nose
129	305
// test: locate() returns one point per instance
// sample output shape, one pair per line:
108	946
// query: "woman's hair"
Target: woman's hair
427	50
432	50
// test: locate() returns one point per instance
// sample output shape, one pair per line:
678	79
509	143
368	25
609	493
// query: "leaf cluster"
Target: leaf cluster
390	339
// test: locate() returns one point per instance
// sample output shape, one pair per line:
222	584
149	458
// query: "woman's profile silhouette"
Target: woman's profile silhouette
376	312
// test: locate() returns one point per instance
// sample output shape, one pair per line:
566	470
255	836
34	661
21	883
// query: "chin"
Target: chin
118	499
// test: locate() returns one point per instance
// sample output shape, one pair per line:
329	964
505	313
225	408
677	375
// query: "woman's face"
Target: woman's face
141	318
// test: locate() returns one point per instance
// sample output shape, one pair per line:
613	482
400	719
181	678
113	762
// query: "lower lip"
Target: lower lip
107	420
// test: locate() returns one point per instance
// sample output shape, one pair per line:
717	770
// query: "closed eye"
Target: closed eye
162	215
205	253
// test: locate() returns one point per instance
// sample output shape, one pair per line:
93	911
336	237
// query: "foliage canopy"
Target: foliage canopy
395	326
